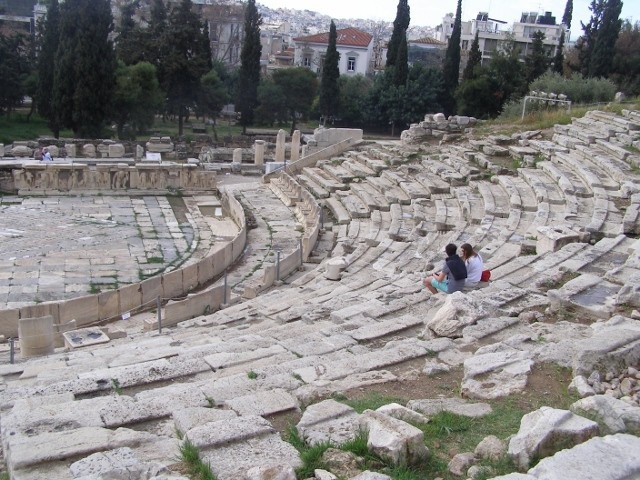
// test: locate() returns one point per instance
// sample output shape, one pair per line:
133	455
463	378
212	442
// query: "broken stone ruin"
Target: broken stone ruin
253	317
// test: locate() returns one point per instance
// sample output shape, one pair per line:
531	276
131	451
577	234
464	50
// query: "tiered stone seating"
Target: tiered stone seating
313	336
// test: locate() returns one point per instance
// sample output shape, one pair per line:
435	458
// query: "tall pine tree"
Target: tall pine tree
474	60
604	48
451	69
558	59
400	26
249	76
84	77
586	43
188	59
48	43
329	89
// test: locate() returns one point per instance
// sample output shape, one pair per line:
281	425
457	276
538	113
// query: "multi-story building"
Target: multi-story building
354	46
20	16
492	34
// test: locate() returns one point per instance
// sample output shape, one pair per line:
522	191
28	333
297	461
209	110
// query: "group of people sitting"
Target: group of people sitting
457	271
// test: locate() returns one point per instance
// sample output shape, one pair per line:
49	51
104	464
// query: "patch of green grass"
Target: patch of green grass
16	127
93	288
310	455
252	375
372	401
116	386
155	259
197	469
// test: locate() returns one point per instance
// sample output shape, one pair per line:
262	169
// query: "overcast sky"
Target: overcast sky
430	12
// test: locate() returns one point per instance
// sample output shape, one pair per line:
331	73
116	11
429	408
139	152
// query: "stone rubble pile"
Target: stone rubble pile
437	126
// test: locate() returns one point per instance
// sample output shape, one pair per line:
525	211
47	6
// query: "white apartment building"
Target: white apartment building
354	46
492	32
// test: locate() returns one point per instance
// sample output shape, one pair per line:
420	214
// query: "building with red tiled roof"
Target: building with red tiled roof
354	46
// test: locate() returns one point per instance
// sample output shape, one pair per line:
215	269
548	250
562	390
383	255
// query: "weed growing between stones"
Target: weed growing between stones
252	375
198	470
116	386
370	402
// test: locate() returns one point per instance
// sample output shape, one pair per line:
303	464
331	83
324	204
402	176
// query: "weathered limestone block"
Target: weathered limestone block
629	294
89	150
280	144
36	336
491	447
328	421
460	462
458	311
453	405
115	464
187	418
103	150
552	239
604	458
115	150
259	152
21	151
271	472
546	431
1	150
493	374
613	415
394	440
580	386
159	145
71	150
396	410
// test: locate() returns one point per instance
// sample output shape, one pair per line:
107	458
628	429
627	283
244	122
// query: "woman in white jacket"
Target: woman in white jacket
474	263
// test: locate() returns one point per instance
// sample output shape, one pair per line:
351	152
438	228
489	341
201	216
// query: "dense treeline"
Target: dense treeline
84	73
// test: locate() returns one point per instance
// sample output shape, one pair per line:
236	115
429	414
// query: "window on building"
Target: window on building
306	61
465	45
351	64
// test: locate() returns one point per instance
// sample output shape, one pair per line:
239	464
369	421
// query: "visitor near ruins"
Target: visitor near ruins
452	276
46	155
473	262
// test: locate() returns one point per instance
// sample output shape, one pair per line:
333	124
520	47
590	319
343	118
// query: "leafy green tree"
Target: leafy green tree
299	85
49	37
626	61
537	62
477	96
451	68
249	75
13	71
137	98
272	107
507	75
329	87
188	59
84	77
354	91
603	50
568	14
213	95
424	89
400	26
474	61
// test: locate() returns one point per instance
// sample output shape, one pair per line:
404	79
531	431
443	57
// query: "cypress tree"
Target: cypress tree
401	70
128	42
329	89
559	58
84	77
568	14
451	69
475	59
46	66
400	25
604	48
586	42
249	76
537	62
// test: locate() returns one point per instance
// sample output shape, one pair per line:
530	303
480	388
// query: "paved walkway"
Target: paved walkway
56	248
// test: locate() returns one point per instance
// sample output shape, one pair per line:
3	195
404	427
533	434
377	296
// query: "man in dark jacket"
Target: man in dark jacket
452	276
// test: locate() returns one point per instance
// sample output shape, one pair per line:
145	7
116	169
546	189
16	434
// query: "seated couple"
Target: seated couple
456	271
